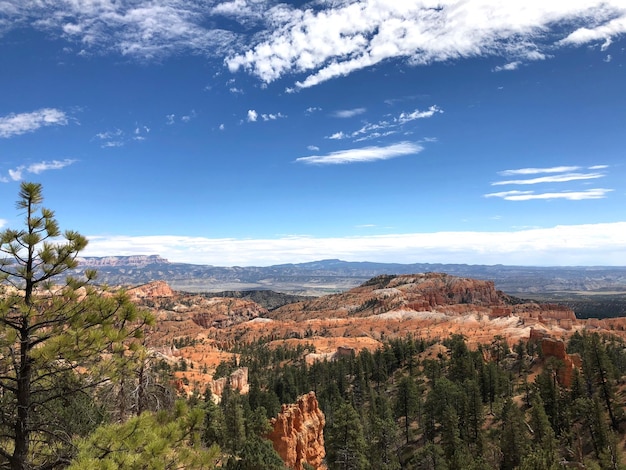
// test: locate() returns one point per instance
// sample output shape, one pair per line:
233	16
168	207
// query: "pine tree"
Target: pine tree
513	437
51	326
234	422
407	403
150	441
345	441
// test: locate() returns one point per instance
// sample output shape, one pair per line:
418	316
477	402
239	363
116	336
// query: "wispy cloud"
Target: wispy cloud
141	29
365	154
598	193
553	175
417	114
569	245
111	139
508	67
537	171
170	119
16	124
385	127
348	113
17	174
564	178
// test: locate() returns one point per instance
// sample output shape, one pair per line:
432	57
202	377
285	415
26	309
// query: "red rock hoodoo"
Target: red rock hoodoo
298	434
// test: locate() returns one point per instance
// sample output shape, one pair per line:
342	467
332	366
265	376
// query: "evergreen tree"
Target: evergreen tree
382	435
160	440
407	403
214	425
51	325
256	453
346	446
513	437
234	422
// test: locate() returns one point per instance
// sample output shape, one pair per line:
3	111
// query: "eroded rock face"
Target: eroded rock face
568	362
221	312
156	289
238	381
298	434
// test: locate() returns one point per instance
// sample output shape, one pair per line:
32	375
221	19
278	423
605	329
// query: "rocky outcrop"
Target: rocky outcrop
382	294
298	433
555	348
238	380
156	289
222	312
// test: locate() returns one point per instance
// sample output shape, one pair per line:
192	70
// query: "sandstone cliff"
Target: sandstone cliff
298	433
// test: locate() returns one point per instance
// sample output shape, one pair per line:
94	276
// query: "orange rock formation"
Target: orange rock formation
298	434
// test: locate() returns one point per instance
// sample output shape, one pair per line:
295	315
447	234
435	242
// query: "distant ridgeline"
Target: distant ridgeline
329	276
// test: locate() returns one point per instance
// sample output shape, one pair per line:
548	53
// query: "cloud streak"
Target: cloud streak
384	128
598	193
564	178
17	124
348	113
564	245
555	175
17	174
365	154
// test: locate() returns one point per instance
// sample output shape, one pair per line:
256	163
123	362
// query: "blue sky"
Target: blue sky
254	132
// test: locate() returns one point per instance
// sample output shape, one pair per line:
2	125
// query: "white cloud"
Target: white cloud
609	23
598	193
554	175
170	119
338	136
16	174
252	115
142	29
16	124
347	36
242	10
536	171
417	114
385	127
313	148
188	117
508	67
365	154
272	117
322	39
112	139
348	113
565	177
567	245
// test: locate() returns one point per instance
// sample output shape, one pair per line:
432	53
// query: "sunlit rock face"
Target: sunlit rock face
298	433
